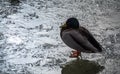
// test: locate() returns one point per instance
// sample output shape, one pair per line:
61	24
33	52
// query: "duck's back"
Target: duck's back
80	39
90	38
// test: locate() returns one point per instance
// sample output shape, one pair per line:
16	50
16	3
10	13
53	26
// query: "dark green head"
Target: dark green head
71	23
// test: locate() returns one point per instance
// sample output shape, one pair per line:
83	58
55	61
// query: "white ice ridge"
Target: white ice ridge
14	40
23	60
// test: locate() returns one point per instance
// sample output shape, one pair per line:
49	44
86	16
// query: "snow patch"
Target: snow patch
14	40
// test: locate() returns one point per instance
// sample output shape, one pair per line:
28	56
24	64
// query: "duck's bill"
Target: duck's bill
63	26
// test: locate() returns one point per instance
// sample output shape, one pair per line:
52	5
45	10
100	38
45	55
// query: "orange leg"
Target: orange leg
75	54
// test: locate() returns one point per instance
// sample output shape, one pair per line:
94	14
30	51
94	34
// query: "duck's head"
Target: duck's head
71	23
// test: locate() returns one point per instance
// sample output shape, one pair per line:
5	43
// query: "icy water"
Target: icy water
30	41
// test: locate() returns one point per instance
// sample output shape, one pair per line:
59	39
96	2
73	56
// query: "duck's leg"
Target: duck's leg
75	54
79	54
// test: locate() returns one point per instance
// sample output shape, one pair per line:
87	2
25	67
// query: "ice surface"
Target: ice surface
23	60
30	41
14	39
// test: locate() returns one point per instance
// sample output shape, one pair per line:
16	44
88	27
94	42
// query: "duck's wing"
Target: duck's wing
82	41
90	38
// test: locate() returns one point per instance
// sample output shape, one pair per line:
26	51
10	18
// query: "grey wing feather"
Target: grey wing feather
90	38
82	41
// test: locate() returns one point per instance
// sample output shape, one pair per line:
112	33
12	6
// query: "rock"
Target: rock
82	67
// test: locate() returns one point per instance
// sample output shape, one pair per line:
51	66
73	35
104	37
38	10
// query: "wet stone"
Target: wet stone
82	67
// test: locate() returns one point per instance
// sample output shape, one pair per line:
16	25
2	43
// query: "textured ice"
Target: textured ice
14	39
23	60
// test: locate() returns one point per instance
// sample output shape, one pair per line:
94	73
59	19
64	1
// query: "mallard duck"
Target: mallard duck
78	38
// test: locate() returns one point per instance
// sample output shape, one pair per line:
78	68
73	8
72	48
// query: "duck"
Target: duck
78	38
